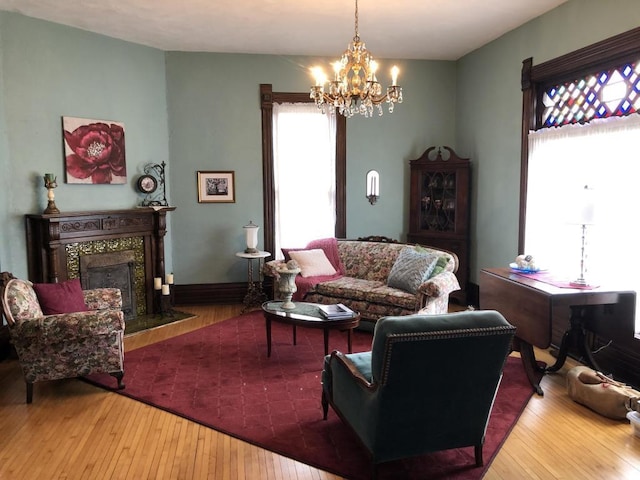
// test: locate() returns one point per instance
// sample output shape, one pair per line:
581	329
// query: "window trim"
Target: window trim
267	98
602	55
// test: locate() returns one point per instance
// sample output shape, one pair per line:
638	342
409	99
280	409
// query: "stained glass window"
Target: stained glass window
610	93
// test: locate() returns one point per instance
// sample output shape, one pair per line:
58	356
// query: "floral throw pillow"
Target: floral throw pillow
411	269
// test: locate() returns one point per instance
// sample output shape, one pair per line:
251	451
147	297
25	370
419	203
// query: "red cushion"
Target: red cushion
65	297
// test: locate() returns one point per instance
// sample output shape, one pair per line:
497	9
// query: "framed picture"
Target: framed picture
94	151
216	187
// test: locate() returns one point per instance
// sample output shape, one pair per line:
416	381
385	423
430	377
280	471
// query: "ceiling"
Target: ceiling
403	29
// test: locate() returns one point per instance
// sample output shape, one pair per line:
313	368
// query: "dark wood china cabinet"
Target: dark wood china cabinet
439	207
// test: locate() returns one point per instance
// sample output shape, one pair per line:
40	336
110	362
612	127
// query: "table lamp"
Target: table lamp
251	236
583	215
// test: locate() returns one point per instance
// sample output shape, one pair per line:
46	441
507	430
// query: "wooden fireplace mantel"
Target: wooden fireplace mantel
48	235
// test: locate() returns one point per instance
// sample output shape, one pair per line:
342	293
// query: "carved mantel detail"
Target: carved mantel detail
50	235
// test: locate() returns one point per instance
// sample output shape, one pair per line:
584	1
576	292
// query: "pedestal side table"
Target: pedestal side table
255	295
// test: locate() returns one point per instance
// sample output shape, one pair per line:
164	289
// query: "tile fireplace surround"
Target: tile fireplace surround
56	244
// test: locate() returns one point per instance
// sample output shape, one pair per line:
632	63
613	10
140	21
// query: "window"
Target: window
268	99
580	119
602	155
304	174
609	93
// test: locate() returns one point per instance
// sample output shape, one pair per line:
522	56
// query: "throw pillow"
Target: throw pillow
411	269
328	245
64	297
313	263
441	264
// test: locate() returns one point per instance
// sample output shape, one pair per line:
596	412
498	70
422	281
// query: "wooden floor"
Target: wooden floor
76	431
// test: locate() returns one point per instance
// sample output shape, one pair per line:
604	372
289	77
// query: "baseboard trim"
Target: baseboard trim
216	293
210	293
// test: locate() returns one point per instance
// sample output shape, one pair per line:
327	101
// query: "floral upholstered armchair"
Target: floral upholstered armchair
51	346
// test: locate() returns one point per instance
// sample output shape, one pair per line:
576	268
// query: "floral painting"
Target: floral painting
94	151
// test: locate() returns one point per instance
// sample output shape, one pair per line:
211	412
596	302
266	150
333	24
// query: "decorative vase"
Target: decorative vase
287	287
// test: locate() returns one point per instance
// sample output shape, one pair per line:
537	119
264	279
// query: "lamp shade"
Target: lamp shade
251	237
585	205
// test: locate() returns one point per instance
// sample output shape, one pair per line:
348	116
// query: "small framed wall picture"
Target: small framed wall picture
216	187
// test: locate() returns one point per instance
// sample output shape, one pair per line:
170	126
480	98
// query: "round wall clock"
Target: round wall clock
147	184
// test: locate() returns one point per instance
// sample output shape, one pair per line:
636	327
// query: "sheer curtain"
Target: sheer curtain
304	157
603	155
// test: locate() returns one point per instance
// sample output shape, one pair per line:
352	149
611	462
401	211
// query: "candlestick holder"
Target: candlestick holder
50	184
164	300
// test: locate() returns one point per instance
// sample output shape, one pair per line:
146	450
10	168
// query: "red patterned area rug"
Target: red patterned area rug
220	376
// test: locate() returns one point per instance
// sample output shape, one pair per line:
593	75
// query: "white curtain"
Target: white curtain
604	155
304	156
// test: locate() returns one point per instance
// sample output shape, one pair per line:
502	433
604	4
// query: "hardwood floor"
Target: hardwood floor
76	431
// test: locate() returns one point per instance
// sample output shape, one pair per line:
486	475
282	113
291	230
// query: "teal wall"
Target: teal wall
215	124
489	109
201	111
5	168
50	71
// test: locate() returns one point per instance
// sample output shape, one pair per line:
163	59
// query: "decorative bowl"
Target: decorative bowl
514	267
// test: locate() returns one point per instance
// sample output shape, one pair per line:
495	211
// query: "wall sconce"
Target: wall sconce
373	186
251	236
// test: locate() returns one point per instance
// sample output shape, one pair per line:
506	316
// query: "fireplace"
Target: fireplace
102	248
113	270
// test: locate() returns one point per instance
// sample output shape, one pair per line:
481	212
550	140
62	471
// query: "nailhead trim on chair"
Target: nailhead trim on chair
437	335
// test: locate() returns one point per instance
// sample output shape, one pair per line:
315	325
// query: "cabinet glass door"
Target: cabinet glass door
438	201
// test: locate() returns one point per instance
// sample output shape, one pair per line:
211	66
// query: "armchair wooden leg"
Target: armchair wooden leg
29	392
119	376
478	452
325	405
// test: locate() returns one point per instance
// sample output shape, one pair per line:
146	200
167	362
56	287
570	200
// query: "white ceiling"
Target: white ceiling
411	29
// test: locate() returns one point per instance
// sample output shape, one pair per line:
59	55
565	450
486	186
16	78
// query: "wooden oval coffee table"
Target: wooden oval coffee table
306	315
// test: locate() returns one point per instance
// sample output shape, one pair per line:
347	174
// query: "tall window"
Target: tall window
301	170
304	152
580	128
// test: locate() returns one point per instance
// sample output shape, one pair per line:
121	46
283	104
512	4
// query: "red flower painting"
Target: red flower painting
94	151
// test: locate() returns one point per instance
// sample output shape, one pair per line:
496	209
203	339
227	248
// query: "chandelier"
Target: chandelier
355	88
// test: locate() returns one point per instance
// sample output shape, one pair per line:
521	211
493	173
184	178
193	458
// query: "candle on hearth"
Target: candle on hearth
165	289
169	278
157	283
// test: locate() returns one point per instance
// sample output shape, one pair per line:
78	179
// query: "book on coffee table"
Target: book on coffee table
336	311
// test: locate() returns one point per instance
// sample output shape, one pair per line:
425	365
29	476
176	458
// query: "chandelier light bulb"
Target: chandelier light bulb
373	67
319	75
394	75
337	66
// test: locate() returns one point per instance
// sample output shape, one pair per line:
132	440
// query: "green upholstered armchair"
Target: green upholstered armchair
428	383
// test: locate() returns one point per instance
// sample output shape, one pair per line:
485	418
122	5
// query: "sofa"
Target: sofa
370	277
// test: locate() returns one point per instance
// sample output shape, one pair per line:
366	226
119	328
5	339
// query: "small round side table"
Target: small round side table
255	295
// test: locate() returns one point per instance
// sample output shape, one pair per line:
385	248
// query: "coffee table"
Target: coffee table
306	315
